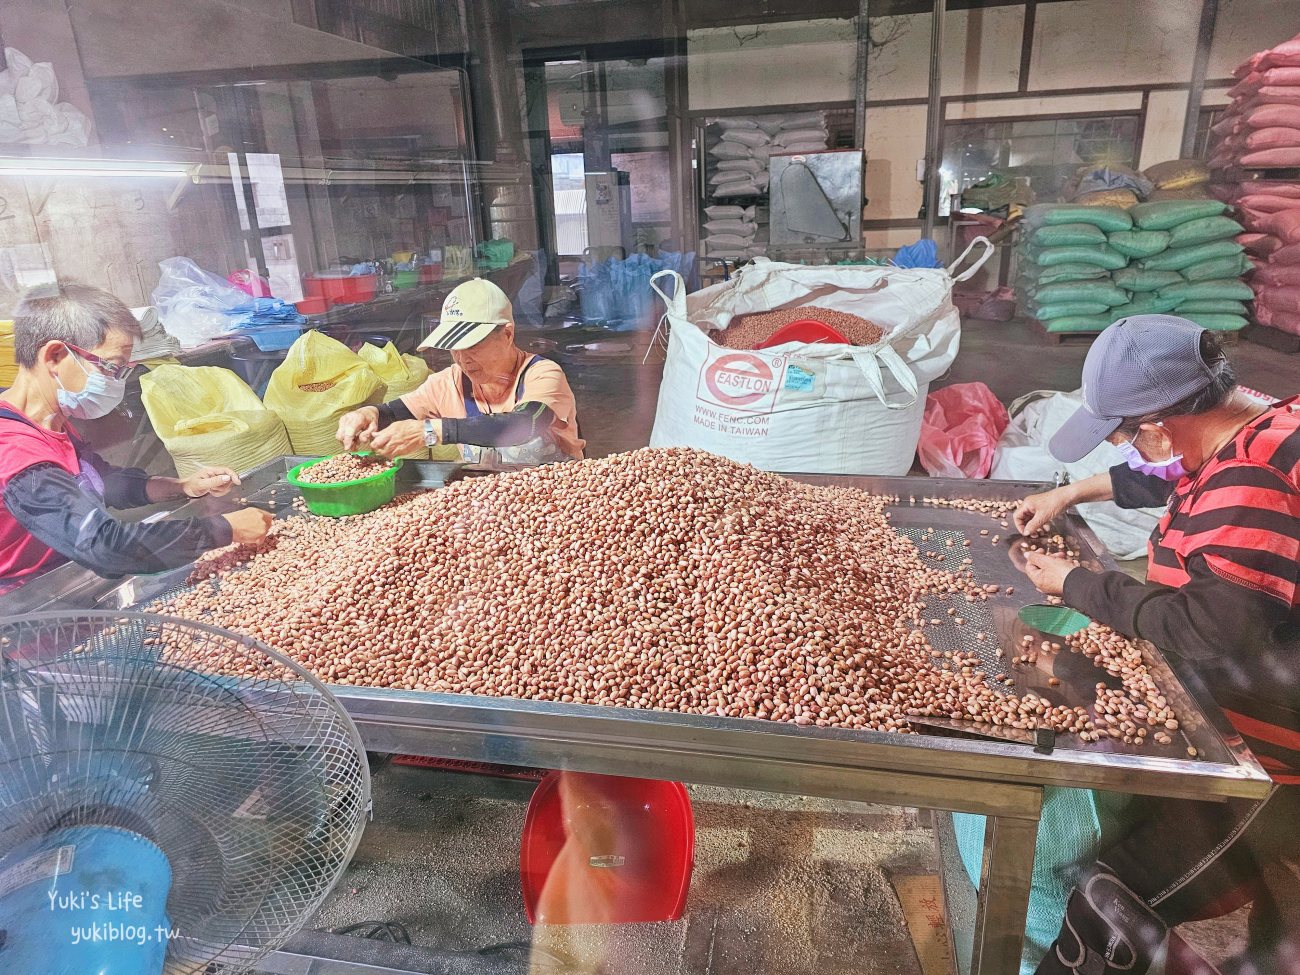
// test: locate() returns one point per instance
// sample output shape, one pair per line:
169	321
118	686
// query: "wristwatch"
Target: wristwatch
430	434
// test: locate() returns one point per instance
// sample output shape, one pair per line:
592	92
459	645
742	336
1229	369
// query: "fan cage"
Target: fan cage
237	762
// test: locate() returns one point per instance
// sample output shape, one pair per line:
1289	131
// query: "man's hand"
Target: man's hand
216	481
1038	510
399	439
249	525
358	427
1048	572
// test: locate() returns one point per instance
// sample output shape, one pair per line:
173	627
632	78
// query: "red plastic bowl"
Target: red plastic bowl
312	306
806	330
603	849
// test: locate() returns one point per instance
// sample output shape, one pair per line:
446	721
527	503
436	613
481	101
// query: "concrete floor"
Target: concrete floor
782	885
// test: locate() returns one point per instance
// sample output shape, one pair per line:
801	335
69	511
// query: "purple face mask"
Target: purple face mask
1169	470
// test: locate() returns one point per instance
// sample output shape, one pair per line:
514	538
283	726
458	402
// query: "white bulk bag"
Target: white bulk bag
811	408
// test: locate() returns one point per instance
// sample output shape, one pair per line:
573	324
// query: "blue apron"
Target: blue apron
539	450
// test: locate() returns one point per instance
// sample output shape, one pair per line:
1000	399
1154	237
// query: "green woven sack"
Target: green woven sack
1097	254
1083	323
1069	309
1179	258
1147	304
1189	308
1096	292
1220	289
1064	234
1219	323
1202	230
1168	214
1137	279
1035	274
1139	243
1218	267
1055	214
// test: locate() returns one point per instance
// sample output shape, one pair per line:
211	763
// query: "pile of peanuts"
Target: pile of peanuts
669	579
318	387
342	468
751	331
1135	711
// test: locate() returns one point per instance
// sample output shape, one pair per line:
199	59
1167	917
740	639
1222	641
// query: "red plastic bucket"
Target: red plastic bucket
603	849
343	290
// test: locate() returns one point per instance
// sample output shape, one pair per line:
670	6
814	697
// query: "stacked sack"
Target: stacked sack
1261	131
738	173
1270	211
1261	128
732	232
1179	179
1082	268
1066	265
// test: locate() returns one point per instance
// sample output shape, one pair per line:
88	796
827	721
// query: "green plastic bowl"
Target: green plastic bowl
347	497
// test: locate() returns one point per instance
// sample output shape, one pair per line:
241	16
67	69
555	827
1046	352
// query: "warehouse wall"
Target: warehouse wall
1144	45
202	35
772	64
113	233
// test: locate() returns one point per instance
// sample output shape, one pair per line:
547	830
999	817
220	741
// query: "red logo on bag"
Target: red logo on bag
742	380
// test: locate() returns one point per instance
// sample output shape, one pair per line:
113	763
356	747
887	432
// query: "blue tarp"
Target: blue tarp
616	292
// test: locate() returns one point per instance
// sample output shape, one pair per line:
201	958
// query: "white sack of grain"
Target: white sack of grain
830	409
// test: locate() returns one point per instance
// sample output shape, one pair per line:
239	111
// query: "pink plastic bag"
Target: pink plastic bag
960	431
250	283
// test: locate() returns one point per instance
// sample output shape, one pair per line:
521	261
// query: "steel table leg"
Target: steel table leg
1004	893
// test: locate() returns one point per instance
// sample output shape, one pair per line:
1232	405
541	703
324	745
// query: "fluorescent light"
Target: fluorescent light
90	167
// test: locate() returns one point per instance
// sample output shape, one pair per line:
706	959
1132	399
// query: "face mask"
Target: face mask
1169	470
100	396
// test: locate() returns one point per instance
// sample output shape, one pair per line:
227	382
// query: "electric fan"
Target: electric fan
173	797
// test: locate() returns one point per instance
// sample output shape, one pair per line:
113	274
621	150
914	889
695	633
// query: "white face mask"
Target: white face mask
100	397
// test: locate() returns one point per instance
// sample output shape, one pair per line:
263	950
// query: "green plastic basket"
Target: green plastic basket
406	279
348	497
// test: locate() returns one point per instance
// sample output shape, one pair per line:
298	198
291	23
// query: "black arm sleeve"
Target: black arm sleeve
525	422
394	412
124	487
1133	489
49	503
1207	619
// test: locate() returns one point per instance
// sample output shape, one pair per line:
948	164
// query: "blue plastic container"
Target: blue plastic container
82	900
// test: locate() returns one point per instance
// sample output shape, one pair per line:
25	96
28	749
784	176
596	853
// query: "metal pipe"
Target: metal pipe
1204	40
934	121
860	89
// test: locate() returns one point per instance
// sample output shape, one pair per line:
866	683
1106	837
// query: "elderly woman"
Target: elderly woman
495	399
1222	592
73	348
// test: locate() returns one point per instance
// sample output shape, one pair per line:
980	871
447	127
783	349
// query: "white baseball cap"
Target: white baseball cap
469	315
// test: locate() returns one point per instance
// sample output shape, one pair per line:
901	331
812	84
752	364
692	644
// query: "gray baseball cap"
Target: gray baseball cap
1137	366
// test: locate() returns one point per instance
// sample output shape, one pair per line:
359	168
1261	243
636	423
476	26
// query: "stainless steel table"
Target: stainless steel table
1001	780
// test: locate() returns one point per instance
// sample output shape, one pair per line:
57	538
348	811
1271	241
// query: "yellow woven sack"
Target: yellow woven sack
205	416
320	380
8	365
1178	174
400	373
1108	198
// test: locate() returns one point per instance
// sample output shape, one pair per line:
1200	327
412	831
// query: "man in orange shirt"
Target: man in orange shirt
495	400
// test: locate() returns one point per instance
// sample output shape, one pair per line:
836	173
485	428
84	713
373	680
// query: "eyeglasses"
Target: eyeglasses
110	369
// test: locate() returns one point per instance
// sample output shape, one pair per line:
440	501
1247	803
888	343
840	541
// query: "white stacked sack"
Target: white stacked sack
738	172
